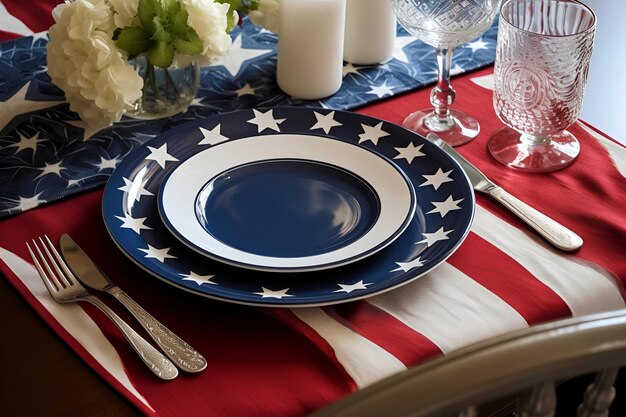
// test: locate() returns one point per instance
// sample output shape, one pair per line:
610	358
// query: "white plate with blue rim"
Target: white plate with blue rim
286	203
444	207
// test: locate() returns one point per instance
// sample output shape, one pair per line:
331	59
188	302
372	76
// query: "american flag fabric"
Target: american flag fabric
289	362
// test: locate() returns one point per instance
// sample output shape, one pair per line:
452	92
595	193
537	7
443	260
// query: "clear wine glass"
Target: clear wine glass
445	24
542	61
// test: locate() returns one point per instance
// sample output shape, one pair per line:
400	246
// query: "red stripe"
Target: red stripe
509	280
409	346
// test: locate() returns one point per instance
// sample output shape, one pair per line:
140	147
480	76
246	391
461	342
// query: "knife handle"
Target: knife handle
156	362
180	352
554	232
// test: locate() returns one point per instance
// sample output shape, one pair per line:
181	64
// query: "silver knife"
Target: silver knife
183	355
554	232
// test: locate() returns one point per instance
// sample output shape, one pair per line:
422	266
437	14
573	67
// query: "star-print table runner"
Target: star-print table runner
47	152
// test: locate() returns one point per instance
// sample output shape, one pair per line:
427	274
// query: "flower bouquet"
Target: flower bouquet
112	56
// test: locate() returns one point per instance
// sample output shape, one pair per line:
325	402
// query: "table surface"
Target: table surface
26	390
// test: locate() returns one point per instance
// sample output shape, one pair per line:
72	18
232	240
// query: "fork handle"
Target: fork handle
180	352
159	364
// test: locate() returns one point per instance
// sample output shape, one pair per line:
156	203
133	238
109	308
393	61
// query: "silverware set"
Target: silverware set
65	287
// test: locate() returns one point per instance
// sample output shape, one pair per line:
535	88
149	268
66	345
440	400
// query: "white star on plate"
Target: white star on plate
401	42
160	155
350	69
437	179
246	90
267	293
265	121
444	207
88	130
107	163
409	152
372	133
380	90
407	266
18	104
51	169
26	143
198	279
135	189
135	224
325	122
432	238
348	288
238	56
27	203
159	254
212	136
476	45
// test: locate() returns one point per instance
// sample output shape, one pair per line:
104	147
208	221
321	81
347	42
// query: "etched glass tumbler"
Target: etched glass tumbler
444	24
542	61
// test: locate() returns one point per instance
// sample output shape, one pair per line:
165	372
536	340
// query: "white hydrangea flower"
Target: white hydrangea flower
125	12
266	14
85	63
209	20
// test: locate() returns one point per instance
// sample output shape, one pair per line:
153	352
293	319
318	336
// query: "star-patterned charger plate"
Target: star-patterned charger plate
286	203
442	219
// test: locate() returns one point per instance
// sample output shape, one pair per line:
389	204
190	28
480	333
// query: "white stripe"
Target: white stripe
363	360
74	320
450	309
616	151
485	81
583	286
10	23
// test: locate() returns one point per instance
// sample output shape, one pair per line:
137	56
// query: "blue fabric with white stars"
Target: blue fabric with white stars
47	153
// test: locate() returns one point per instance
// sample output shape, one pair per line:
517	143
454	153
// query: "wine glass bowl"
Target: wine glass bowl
542	61
444	24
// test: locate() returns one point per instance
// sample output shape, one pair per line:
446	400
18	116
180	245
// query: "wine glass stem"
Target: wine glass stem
442	96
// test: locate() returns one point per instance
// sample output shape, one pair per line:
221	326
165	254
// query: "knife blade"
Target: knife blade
555	233
180	352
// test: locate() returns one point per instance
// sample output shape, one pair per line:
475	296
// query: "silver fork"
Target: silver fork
65	288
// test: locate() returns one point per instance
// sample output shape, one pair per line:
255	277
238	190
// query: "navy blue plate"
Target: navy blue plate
286	203
442	219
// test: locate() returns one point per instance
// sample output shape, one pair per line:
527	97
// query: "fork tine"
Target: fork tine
67	273
50	285
51	275
59	274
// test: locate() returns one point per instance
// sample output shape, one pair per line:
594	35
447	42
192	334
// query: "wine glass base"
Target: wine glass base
459	130
508	147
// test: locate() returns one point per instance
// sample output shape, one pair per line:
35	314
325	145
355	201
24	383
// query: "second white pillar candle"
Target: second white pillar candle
310	47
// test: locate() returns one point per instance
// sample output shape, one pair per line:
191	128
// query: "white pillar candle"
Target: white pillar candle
310	47
370	31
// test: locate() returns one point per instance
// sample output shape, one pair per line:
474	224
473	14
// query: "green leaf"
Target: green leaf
146	13
191	46
178	25
161	55
160	34
171	7
134	40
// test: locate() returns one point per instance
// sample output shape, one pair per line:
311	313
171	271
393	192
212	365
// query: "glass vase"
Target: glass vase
166	91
